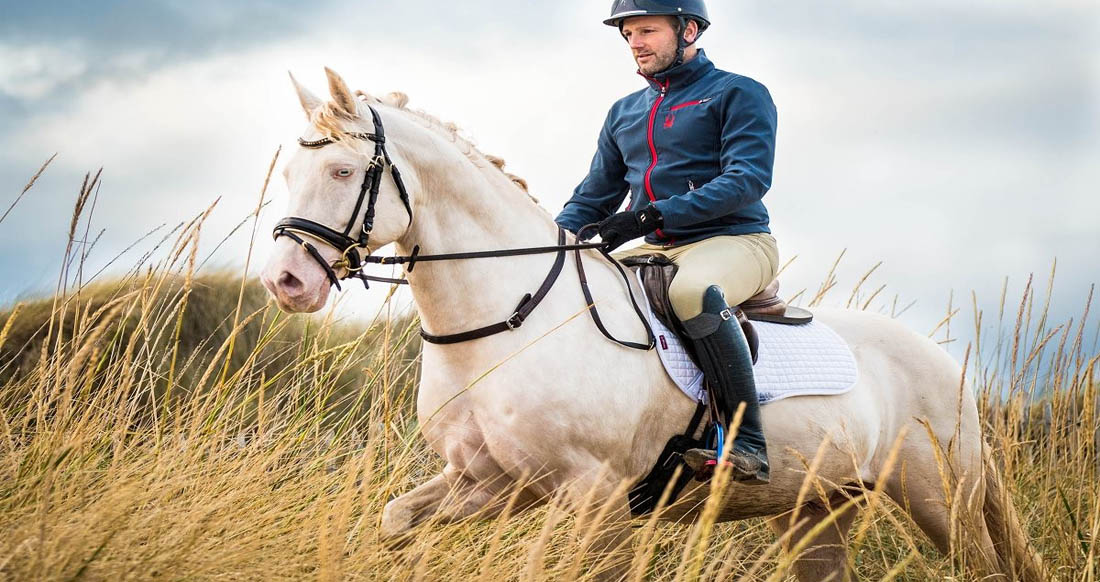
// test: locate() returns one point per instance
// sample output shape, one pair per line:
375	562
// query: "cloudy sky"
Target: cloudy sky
955	142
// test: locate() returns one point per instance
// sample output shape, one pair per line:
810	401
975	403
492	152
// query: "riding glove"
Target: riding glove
625	226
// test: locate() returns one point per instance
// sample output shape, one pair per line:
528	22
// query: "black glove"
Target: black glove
625	226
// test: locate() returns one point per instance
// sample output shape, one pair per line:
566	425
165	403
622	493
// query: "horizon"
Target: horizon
956	144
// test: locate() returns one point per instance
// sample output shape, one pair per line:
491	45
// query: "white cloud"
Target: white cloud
32	72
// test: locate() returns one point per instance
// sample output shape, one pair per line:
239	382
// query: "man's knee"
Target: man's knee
686	295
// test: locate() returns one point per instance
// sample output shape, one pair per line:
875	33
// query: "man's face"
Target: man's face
652	41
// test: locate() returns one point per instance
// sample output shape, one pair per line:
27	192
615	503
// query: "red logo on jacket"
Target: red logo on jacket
670	119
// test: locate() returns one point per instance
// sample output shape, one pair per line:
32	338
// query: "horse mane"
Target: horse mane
329	120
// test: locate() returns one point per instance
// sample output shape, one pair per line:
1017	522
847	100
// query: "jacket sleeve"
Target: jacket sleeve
602	190
747	154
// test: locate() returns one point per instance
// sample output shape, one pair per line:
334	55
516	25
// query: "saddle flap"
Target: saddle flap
656	272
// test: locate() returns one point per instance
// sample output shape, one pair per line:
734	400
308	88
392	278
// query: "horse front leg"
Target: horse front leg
446	498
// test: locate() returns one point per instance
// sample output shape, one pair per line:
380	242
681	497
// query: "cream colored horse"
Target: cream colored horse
586	415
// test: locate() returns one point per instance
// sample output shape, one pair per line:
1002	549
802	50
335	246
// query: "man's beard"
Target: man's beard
660	63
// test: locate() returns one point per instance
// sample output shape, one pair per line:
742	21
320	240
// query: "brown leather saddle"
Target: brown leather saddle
657	272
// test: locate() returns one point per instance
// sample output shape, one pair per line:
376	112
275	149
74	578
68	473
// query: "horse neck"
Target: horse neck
462	208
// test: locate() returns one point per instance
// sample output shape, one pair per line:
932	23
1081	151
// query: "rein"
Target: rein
352	262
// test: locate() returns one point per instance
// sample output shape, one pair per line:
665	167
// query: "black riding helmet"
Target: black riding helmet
694	9
681	9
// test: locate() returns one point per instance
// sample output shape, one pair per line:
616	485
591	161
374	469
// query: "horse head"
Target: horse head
335	219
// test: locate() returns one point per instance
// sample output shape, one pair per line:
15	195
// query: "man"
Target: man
695	150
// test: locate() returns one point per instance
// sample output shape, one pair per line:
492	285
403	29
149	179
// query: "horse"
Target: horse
554	399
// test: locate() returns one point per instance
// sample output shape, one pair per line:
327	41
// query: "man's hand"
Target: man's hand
626	226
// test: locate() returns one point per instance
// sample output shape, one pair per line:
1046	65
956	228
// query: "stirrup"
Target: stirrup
744	468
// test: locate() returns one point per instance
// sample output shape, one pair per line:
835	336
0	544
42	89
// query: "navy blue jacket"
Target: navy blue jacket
698	144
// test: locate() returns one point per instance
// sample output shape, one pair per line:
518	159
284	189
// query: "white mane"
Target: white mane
330	120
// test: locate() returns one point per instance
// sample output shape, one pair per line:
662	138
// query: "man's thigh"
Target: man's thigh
741	265
642	249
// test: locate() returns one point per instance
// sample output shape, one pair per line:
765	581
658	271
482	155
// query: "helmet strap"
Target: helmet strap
681	42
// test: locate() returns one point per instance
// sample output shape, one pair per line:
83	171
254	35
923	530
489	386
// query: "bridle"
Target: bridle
353	263
350	260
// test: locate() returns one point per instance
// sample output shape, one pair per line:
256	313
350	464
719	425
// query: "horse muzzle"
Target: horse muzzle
296	283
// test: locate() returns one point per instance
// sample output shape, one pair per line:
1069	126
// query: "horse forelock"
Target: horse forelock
330	121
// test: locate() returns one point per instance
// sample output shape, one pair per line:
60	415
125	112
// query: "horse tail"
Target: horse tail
1018	560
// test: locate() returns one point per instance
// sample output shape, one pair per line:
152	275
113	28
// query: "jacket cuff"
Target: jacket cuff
667	212
650	219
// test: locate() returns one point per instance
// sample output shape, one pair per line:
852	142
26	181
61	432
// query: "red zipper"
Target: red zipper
653	149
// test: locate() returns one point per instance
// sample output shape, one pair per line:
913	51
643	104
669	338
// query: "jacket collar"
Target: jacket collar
681	75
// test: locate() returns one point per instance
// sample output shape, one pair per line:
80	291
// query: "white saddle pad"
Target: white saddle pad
794	360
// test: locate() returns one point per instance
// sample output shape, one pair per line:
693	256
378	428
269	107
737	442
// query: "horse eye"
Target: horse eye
343	172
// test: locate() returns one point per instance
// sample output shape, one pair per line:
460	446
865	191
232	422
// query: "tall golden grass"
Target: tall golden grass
171	424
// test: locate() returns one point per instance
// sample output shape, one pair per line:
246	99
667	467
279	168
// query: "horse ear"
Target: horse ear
341	94
309	101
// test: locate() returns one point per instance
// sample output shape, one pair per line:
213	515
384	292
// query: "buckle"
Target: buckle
514	321
727	314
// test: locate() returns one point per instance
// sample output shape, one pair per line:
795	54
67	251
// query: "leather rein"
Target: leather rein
352	261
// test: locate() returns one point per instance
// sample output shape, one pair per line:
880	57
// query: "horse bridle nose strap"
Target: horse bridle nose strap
350	261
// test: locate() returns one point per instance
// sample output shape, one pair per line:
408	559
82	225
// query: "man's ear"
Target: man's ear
691	31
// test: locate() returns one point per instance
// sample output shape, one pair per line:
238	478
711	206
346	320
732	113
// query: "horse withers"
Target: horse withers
553	407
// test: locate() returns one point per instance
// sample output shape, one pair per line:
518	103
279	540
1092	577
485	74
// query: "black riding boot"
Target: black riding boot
724	356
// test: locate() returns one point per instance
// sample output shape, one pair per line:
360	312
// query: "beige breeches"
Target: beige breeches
741	265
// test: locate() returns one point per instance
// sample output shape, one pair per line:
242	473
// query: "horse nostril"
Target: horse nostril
290	283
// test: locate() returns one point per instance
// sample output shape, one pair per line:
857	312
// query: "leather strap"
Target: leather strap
530	302
519	315
352	262
596	314
343	242
313	252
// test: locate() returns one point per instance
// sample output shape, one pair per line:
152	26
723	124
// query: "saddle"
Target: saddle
657	272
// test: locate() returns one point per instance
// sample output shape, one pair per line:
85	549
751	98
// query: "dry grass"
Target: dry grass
156	427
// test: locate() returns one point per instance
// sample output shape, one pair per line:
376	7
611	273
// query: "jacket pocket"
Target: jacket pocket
690	103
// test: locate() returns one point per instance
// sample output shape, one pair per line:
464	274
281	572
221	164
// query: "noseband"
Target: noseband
350	260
